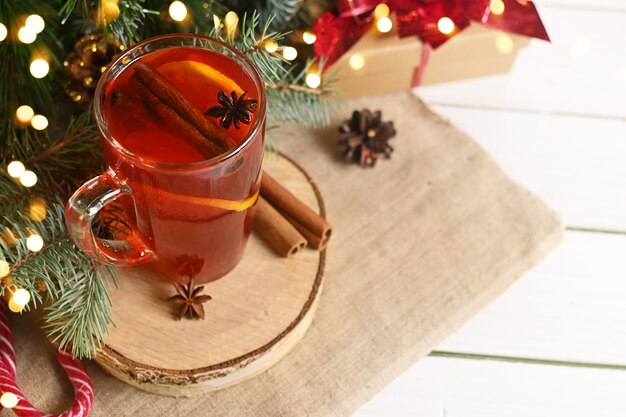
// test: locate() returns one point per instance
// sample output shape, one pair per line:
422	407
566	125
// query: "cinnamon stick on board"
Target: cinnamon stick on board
318	230
279	233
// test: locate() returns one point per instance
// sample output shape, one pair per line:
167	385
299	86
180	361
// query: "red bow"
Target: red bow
337	34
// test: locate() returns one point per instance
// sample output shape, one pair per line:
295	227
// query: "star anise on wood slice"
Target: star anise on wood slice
190	300
233	109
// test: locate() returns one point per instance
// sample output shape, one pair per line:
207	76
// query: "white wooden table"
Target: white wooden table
555	343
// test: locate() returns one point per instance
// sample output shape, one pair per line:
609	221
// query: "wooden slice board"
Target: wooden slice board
258	313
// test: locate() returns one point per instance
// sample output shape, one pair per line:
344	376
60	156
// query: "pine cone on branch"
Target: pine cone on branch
365	138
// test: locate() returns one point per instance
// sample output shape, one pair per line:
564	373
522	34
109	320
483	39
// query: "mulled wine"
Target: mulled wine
182	119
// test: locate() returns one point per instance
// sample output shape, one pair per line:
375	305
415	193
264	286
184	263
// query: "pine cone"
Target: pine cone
86	63
364	138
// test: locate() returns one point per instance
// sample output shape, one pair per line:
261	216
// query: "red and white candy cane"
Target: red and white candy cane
83	389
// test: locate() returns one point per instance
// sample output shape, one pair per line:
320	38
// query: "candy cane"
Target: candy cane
83	389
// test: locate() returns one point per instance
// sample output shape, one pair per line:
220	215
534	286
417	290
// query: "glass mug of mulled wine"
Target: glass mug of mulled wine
182	120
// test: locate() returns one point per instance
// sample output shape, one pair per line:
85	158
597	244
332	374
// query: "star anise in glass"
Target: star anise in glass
233	109
190	300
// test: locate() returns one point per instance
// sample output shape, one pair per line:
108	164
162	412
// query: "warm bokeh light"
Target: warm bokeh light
271	46
36	23
34	243
16	169
384	24
178	11
504	43
8	400
4	268
357	62
39	122
231	21
382	10
28	179
21	297
309	37
15	307
110	11
3	32
37	210
313	80
39	68
496	7
445	25
290	53
24	114
26	34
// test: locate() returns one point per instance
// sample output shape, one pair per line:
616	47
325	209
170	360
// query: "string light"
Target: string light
110	11
34	243
24	114
15	307
37	210
178	11
504	43
16	169
39	68
8	236
9	400
384	24
28	178
445	25
309	37
357	62
217	23
21	297
313	79
3	32
36	23
231	20
382	10
26	34
4	268
271	46
290	53
496	7
39	122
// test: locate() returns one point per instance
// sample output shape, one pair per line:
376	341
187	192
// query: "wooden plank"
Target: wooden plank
569	308
613	5
580	72
575	163
443	387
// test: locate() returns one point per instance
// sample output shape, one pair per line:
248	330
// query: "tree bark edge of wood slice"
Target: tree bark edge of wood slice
136	352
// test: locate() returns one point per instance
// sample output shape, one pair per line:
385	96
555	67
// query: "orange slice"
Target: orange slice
233	205
200	75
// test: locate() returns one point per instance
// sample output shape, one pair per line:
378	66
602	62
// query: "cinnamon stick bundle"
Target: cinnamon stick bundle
313	226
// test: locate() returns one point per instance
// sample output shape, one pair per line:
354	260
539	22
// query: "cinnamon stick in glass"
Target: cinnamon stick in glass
313	226
278	232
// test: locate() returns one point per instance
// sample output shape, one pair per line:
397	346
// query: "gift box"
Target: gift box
384	63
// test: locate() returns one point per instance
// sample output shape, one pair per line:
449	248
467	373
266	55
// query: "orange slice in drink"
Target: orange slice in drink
198	76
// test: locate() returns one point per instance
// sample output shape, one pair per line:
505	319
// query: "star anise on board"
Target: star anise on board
233	109
190	300
365	138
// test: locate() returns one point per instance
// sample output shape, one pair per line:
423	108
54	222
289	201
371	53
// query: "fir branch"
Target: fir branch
289	98
70	284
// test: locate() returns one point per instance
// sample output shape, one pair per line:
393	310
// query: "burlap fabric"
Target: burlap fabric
422	243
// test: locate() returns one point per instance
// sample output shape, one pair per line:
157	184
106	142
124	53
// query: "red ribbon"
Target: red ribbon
336	34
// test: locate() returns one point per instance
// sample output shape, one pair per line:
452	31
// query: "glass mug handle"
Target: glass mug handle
81	210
